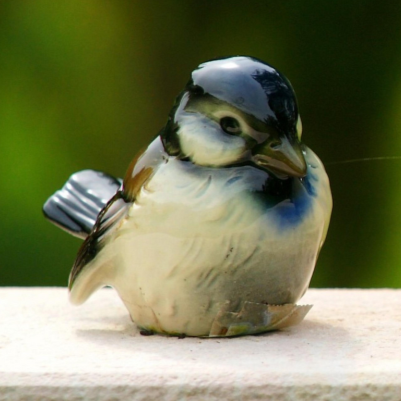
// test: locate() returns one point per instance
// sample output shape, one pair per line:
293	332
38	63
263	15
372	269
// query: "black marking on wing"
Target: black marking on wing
77	205
114	211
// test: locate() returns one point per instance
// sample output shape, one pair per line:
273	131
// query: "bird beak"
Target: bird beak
283	157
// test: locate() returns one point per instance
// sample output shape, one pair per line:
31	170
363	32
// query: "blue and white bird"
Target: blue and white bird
216	228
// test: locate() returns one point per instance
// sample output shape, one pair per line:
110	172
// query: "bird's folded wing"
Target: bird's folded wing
93	268
109	219
77	205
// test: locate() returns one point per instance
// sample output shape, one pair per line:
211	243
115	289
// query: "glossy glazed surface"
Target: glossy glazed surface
225	208
214	237
77	205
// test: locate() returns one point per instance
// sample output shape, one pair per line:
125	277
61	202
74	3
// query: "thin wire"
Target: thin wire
365	159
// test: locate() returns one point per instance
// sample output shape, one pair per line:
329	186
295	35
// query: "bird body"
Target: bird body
200	226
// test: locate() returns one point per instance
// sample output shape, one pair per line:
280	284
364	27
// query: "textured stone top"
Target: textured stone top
348	347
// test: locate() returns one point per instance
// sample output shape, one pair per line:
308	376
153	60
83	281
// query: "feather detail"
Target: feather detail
76	206
108	219
142	168
91	269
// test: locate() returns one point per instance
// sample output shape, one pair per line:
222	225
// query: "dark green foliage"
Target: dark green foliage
88	84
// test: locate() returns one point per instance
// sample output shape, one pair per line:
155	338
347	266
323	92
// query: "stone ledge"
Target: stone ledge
347	348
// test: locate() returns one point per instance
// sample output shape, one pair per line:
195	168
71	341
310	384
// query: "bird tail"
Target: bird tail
76	206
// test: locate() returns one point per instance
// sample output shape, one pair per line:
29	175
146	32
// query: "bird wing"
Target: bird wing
92	268
76	206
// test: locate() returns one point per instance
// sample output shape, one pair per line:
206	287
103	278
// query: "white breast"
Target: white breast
196	238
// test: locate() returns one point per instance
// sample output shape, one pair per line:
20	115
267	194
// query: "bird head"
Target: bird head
237	110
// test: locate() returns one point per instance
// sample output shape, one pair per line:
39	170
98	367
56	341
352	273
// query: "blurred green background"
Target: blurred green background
86	84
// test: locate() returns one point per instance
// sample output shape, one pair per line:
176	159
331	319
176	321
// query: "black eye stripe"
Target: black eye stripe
230	125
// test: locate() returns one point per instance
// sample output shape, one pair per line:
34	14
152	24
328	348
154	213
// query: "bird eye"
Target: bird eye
230	125
275	145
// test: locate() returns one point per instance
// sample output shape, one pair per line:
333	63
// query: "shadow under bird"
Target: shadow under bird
216	228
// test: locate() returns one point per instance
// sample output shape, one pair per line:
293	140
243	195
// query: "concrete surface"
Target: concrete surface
347	348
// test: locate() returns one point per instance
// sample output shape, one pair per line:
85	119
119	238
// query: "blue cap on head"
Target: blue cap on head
252	86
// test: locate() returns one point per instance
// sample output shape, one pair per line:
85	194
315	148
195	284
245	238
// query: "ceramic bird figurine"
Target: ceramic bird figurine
216	228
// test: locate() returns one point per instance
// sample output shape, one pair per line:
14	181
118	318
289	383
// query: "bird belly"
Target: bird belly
176	285
179	263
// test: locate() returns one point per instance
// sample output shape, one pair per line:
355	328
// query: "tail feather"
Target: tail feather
76	206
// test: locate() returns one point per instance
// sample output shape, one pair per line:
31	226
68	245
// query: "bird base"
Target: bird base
256	318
